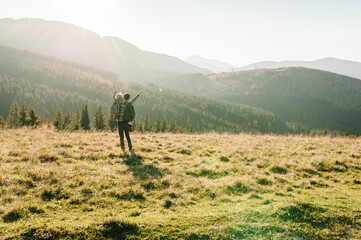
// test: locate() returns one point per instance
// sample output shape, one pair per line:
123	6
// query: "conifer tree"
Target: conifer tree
2	121
85	119
23	113
172	127
58	120
41	119
156	125
67	120
13	116
189	127
33	117
164	124
111	123
146	124
138	126
99	119
75	121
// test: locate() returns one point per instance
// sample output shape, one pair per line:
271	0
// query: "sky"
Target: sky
238	32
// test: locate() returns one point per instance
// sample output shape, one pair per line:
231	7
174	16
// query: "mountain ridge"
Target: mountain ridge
214	65
330	64
69	42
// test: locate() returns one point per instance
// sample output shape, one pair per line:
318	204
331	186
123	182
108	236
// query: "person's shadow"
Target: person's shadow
141	171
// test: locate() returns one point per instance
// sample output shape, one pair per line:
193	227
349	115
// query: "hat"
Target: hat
119	94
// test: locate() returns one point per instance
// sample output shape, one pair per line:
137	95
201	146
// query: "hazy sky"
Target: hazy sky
239	32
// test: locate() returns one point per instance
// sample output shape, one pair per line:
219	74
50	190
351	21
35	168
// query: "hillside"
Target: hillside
312	98
61	185
68	42
343	67
49	84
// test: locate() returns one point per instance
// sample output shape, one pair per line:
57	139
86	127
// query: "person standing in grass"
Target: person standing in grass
123	107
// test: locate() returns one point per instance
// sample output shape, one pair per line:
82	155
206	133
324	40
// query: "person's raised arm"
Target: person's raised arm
136	96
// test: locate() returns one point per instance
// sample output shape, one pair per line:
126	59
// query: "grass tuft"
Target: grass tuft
167	159
35	210
50	194
238	188
279	170
13	215
128	194
86	192
112	155
167	203
224	159
185	151
14	154
318	184
146	150
65	145
29	183
255	196
208	173
357	181
117	229
47	158
135	213
264	182
155	185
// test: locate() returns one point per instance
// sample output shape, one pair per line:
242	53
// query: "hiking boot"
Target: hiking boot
132	152
123	149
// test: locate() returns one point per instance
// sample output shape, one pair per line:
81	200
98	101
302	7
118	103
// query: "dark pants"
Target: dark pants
123	127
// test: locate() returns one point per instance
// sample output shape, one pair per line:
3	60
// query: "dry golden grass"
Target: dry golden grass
80	184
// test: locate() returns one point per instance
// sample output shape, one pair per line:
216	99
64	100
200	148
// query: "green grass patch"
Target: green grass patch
278	170
185	151
224	159
167	203
264	182
314	222
14	215
208	173
238	188
128	194
50	194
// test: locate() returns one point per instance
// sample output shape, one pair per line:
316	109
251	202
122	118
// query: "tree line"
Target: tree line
21	116
80	120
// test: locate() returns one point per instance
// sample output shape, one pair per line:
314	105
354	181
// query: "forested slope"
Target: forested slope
49	84
313	98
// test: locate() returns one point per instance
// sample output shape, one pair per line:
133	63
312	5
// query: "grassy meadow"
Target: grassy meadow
79	185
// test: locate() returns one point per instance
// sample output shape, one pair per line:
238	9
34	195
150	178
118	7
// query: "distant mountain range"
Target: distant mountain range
313	98
214	65
344	67
71	43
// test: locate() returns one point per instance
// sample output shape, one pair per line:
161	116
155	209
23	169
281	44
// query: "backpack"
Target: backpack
114	111
114	108
129	112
